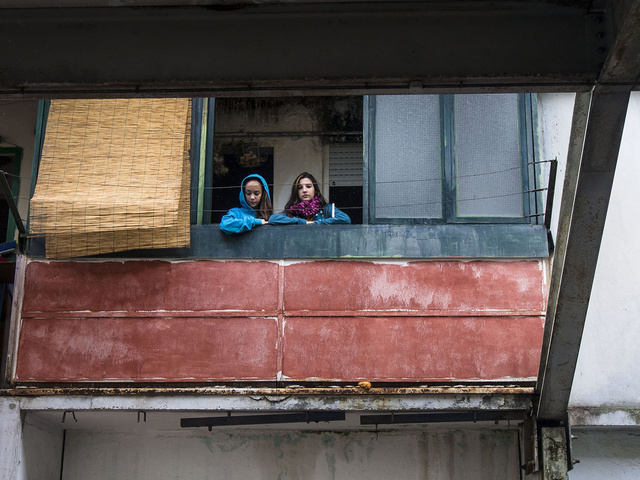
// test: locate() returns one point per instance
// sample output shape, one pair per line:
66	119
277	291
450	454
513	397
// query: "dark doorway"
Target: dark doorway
349	200
6	165
231	164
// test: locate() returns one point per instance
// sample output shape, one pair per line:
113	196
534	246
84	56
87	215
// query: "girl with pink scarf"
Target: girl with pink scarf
307	206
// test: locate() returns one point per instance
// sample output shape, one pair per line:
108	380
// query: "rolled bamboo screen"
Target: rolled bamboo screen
114	175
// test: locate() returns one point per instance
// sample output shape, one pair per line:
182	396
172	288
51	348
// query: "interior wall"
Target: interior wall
266	454
291	158
252	119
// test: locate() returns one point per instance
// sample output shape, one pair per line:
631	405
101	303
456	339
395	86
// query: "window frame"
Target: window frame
531	200
14	182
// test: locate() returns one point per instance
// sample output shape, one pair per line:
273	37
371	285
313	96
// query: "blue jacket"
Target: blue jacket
243	219
323	217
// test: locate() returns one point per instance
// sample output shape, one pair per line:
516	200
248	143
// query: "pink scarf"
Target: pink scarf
305	208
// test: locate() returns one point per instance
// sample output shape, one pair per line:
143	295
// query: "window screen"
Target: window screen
408	179
449	158
488	165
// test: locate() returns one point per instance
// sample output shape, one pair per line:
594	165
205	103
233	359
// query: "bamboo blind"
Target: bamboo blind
114	175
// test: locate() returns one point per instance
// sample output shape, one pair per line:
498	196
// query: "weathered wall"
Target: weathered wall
606	374
605	397
607	371
609	453
11	445
262	454
339	321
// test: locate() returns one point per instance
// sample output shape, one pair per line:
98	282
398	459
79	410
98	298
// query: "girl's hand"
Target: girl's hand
264	222
309	222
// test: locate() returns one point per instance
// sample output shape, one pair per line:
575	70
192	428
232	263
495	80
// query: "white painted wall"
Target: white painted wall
291	158
607	372
555	111
292	155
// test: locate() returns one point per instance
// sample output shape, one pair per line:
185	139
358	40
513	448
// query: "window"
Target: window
437	159
441	176
277	138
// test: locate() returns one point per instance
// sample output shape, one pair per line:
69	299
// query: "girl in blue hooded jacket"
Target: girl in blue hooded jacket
255	207
307	206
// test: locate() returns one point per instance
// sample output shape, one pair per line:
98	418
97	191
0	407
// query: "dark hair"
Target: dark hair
265	209
294	198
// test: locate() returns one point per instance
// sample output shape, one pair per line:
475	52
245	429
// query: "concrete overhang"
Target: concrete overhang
231	48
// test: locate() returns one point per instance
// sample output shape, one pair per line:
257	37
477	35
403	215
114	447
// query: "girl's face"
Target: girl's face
306	190
253	193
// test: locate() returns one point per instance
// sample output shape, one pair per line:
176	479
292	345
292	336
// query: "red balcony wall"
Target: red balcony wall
339	321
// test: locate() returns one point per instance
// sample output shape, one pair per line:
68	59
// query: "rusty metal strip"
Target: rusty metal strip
284	391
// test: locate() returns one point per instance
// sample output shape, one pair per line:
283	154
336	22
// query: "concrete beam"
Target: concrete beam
593	190
256	401
301	48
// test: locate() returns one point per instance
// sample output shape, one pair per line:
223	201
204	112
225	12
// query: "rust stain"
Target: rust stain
284	391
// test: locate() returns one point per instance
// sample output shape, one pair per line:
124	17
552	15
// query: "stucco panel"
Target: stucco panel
414	349
150	286
441	285
147	349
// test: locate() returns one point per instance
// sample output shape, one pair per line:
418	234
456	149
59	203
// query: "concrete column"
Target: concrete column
11	464
554	453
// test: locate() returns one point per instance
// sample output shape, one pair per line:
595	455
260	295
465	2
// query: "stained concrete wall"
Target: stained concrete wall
606	454
11	445
42	445
259	454
109	321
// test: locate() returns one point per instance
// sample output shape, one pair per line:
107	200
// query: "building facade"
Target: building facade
414	343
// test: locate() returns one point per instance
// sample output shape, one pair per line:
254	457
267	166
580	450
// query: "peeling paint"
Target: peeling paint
482	320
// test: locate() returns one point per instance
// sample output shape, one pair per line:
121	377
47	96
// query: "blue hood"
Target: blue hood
243	202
